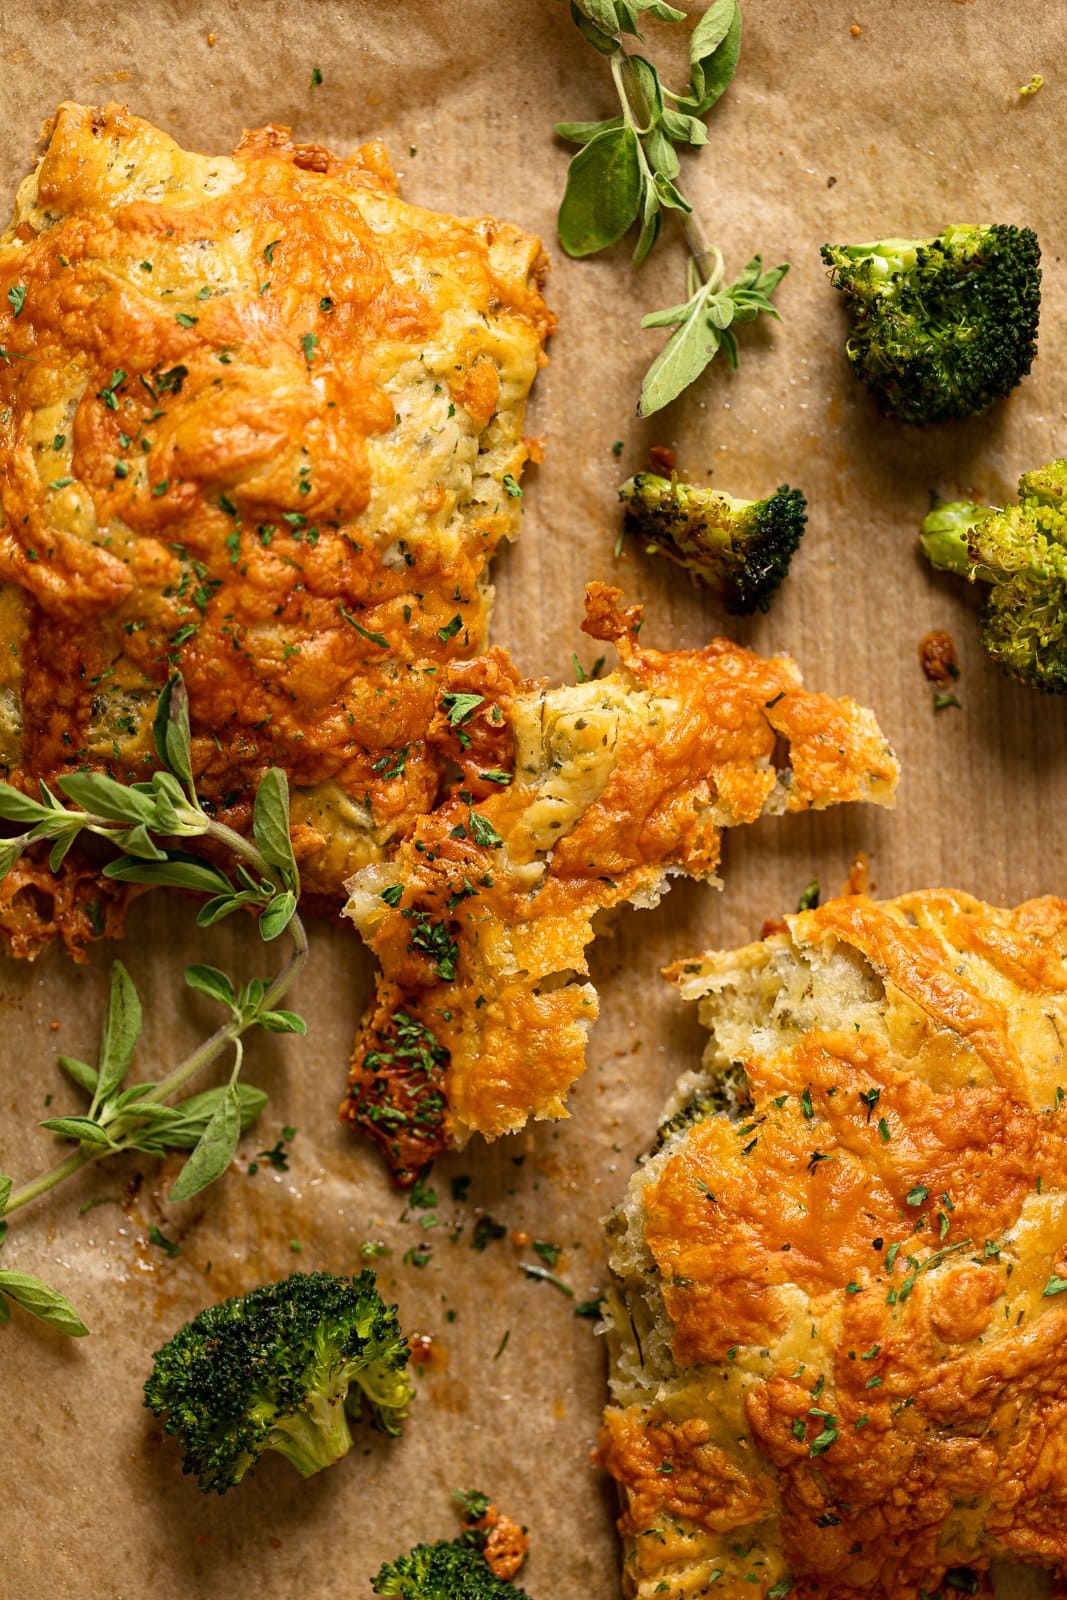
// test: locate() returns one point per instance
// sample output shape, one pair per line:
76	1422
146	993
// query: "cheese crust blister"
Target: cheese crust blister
261	422
482	919
839	1322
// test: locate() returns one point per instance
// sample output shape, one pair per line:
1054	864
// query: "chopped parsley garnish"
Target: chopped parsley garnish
162	1242
809	900
917	1195
483	832
307	344
17	296
393	895
486	1230
373	638
1055	1285
434	940
184	320
268	251
544	1276
460	706
822	1441
511	486
108	392
450	629
870	1098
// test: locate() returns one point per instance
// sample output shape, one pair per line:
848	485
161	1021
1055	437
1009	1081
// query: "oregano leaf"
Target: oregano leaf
193	1115
282	1022
18	807
84	1129
603	193
170	730
682	359
178	871
122	1029
212	982
277	916
579	133
42	1302
85	1076
98	793
710	76
270	824
213	1151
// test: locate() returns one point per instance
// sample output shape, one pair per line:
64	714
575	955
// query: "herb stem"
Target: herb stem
205	1053
48	1180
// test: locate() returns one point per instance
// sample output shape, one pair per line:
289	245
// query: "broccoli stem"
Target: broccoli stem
314	1437
944	535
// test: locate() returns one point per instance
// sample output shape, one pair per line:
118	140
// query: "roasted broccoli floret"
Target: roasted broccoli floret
741	549
941	327
1021	552
458	1569
281	1368
448	1570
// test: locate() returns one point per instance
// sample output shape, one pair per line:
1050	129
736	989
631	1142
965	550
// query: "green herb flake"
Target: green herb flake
486	1230
372	638
17	298
162	1242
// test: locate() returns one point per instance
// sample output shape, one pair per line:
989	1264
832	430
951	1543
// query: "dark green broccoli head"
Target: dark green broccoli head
741	549
449	1570
728	1093
941	327
1021	553
281	1368
452	1569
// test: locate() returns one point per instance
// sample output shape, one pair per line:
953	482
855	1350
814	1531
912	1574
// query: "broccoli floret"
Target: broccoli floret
448	1570
453	1569
741	549
1021	552
281	1368
941	327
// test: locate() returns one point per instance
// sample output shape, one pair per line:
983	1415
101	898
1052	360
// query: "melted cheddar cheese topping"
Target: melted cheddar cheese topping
482	920
260	422
838	1335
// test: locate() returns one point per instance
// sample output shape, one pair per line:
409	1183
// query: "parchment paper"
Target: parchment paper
823	136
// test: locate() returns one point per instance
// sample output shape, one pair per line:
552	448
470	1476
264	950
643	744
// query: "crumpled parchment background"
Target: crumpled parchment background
914	123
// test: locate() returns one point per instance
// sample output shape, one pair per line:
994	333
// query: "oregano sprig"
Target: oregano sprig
151	1117
626	172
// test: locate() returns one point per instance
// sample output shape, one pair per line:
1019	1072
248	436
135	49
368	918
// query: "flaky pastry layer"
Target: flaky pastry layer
260	421
839	1328
573	800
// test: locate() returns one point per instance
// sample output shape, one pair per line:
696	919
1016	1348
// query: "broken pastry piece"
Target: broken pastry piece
839	1327
261	422
572	801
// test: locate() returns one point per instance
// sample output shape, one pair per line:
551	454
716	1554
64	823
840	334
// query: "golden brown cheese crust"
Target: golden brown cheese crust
256	418
856	1299
491	899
